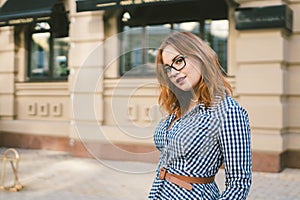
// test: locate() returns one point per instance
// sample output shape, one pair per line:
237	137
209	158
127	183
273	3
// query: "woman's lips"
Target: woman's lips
180	80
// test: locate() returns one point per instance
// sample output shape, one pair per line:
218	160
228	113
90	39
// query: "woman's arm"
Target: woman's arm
236	149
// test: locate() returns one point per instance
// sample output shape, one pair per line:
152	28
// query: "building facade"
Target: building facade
79	76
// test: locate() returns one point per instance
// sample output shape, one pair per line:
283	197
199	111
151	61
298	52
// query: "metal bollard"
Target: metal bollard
11	155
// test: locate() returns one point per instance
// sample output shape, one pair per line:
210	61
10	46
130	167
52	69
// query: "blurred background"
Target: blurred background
79	76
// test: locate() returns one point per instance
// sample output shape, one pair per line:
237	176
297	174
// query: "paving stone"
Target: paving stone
57	175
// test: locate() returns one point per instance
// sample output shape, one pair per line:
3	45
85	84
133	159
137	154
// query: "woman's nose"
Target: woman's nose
173	72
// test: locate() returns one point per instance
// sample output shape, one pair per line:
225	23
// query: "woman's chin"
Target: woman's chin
185	88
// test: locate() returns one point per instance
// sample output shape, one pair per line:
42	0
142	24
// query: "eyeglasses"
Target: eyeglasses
177	64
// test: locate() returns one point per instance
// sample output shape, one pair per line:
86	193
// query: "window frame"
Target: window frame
202	33
50	77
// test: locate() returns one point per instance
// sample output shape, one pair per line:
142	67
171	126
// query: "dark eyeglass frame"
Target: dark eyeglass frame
168	68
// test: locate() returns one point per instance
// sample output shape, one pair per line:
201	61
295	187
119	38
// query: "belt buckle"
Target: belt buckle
162	173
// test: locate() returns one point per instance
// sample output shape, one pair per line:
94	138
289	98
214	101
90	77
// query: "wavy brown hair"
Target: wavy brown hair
212	83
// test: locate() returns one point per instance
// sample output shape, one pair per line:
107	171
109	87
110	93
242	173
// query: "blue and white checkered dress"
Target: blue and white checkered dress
198	144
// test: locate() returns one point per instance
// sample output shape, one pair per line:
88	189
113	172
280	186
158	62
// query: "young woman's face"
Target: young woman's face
187	74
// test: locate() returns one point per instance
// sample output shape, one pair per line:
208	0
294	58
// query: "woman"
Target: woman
204	128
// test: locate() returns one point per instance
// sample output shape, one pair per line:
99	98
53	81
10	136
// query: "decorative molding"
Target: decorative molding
42	89
133	112
147	114
56	109
146	87
31	109
43	109
39	109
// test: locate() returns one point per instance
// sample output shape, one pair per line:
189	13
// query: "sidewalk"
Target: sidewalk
57	175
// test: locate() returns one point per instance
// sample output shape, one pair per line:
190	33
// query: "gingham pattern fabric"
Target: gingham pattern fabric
198	144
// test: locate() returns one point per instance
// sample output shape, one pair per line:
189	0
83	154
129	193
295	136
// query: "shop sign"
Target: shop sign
20	21
264	17
24	20
89	5
145	2
16	12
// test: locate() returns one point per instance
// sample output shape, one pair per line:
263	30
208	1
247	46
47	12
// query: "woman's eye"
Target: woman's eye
179	60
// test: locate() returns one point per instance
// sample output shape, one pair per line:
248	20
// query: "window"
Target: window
139	44
216	34
48	57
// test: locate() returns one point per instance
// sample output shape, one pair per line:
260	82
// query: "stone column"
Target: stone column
86	61
7	73
262	63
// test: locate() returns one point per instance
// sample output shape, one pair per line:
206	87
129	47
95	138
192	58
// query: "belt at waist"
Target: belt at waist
184	181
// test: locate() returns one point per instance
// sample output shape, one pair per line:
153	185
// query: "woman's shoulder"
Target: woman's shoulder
228	104
229	101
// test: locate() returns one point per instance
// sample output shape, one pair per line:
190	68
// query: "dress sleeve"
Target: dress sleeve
236	149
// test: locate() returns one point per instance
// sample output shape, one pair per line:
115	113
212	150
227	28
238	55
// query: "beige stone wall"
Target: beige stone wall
293	82
123	109
264	69
268	71
41	108
86	61
7	73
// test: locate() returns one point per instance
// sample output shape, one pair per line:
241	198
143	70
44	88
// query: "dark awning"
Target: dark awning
160	11
15	12
176	12
90	5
